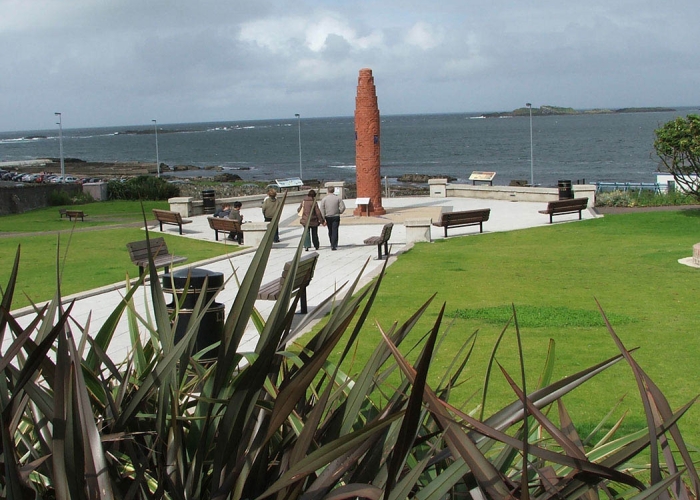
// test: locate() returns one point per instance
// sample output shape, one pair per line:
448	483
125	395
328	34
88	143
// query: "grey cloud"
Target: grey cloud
110	63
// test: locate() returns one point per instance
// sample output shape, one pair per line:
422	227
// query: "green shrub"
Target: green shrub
62	198
643	198
143	187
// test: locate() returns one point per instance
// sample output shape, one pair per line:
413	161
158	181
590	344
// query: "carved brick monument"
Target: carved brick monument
368	177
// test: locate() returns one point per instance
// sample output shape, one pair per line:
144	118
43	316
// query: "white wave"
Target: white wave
346	167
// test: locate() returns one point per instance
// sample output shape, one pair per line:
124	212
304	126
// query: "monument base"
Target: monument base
373	212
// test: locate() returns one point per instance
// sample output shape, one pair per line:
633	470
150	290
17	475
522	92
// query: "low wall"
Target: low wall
17	199
196	207
518	193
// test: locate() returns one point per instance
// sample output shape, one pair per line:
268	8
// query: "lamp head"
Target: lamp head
528	104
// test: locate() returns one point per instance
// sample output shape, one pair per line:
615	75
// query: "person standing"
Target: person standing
269	206
331	208
311	213
237	216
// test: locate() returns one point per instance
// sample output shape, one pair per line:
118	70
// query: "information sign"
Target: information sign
478	176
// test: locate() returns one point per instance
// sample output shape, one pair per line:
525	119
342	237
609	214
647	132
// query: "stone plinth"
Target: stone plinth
253	233
367	146
417	230
98	190
438	188
339	188
181	205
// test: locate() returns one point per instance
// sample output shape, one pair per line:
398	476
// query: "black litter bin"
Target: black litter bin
209	199
565	191
212	325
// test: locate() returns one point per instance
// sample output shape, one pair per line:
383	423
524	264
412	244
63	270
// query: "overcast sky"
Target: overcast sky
127	62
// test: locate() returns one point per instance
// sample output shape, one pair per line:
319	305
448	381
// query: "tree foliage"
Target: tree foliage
678	145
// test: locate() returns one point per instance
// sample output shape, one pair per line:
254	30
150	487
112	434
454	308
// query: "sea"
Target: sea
615	147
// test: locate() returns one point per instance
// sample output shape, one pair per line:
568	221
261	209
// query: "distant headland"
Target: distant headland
558	110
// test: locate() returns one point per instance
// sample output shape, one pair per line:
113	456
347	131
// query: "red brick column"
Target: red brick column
368	176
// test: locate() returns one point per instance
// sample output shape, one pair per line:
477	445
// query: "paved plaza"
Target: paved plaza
334	268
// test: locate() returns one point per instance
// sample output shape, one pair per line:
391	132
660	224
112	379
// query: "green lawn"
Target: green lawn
555	274
552	274
98	214
88	259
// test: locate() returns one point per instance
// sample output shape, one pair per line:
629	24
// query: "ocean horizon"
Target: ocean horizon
616	147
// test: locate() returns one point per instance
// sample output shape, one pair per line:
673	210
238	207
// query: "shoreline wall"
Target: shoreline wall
17	199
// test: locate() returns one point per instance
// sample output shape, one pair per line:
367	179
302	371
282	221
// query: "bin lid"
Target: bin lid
197	277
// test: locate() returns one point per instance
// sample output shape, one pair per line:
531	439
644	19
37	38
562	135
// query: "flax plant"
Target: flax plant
287	424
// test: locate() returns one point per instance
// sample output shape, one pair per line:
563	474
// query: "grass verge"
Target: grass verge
98	214
86	259
626	262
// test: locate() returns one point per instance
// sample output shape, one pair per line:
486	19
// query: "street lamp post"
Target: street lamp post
60	144
155	125
532	169
299	128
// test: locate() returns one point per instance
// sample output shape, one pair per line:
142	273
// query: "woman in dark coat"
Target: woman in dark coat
310	212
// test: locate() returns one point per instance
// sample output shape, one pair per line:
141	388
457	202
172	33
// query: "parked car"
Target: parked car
57	179
69	179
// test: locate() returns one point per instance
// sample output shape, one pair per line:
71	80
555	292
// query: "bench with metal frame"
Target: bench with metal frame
75	214
223	224
302	279
167	217
561	207
381	240
463	218
138	252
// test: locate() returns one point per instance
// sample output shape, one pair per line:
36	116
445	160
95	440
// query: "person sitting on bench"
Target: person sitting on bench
236	215
224	211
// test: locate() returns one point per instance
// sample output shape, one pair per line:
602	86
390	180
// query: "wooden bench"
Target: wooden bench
75	214
62	212
382	239
167	217
305	272
561	207
223	224
138	251
463	218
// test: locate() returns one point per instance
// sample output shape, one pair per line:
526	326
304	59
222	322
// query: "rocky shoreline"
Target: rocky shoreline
104	170
225	184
